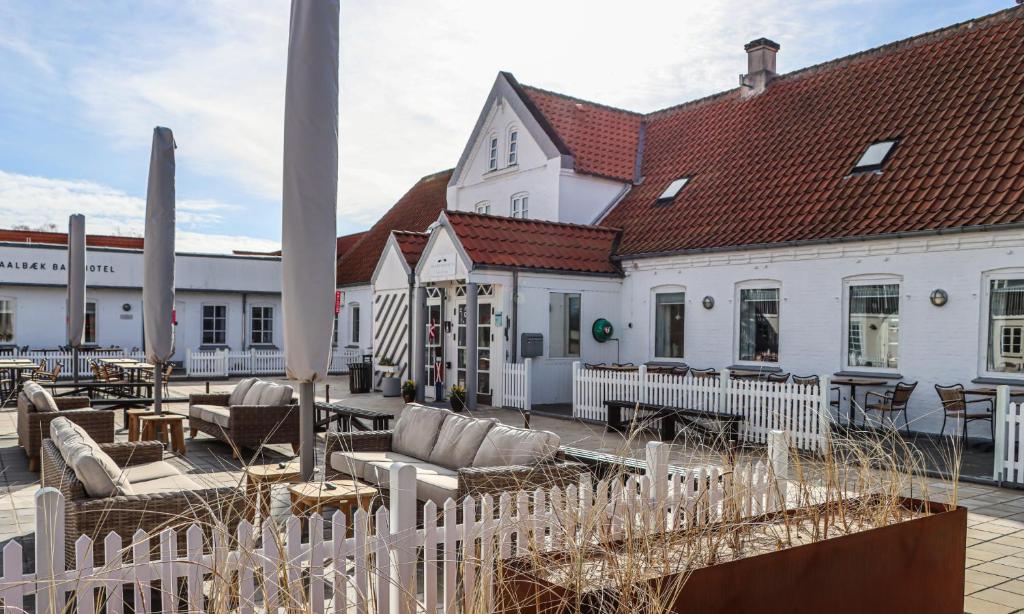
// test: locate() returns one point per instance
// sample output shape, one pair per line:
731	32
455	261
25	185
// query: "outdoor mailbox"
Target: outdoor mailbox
531	345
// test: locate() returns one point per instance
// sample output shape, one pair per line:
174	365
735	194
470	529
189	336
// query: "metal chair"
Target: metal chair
701	373
891	401
778	378
955	405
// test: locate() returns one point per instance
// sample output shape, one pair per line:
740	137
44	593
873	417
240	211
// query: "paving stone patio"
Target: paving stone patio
995	554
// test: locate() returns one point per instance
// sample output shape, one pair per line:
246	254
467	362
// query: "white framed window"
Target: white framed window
7	320
669	322
354	315
673	189
90	323
757	321
565	316
261	325
492	153
215	324
334	333
875	156
513	147
1004	353
872	322
483	207
521	205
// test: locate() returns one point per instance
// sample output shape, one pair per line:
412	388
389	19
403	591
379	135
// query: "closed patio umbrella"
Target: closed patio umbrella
76	288
309	212
158	259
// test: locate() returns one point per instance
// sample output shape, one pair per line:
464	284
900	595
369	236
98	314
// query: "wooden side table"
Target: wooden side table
170	428
309	497
133	417
258	482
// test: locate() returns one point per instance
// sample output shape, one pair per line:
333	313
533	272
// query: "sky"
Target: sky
83	84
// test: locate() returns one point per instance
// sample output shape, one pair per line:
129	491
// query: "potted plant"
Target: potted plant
457	398
409	391
389	384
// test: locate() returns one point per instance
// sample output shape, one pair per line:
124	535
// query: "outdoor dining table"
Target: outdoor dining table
853	382
991	392
14	367
134	371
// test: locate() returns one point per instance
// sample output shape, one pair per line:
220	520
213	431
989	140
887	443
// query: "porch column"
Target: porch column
472	319
419	341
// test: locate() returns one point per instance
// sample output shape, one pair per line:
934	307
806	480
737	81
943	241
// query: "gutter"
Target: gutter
515	314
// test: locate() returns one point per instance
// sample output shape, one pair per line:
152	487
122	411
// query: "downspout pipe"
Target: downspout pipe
515	315
414	310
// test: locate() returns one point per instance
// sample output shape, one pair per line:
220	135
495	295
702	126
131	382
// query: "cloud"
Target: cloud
40	201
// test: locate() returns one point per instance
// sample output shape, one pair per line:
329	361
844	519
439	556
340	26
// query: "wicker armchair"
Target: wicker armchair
473	481
248	426
96	517
34	425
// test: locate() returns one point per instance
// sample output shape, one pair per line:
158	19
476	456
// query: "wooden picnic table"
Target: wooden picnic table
670	415
853	382
349	418
991	392
89	389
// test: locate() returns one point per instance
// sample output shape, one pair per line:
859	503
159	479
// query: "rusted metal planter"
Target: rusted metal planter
911	566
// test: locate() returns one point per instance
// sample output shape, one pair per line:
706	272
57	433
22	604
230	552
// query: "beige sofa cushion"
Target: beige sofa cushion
458	441
221	416
508	445
436	488
276	394
41	398
242	387
355	463
64	433
416	430
97	472
168	484
379	472
137	474
252	397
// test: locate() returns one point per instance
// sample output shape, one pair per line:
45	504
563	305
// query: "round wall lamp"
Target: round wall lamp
708	302
126	307
939	297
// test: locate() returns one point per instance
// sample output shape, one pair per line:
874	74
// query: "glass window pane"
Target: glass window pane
564	325
873	331
669	310
875	154
1006	325
6	321
759	324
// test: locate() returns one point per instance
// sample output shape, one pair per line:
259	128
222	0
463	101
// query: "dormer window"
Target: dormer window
492	158
875	156
673	189
513	147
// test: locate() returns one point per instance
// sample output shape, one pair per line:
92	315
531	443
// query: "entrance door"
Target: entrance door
483	350
435	350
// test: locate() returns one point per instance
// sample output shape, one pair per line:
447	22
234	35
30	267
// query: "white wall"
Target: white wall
363	296
937	345
583	198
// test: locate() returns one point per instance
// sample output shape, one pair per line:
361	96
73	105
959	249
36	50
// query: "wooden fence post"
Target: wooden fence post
575	389
824	414
1002	409
724	379
657	454
188	362
403	531
528	383
49	550
642	384
778	459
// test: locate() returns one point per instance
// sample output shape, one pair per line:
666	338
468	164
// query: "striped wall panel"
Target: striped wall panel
391	331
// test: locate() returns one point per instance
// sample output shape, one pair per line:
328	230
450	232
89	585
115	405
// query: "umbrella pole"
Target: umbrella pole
307	439
74	364
158	376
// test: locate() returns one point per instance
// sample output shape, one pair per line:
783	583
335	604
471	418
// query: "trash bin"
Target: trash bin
359	376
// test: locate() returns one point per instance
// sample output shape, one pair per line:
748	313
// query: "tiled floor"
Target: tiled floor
995	554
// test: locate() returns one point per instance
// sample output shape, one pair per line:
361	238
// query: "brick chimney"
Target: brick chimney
760	66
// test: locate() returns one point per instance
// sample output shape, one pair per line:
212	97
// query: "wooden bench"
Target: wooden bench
668	416
603	465
350	418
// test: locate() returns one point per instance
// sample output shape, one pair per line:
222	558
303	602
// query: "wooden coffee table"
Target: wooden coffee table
167	428
134	419
309	497
259	479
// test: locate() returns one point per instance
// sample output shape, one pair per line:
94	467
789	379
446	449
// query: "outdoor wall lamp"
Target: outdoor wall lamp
939	297
708	302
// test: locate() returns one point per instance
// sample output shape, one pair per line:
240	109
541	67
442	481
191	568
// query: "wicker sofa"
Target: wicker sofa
454	455
124	487
37	408
253	414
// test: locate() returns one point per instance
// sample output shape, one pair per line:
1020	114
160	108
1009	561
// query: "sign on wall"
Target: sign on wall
441	266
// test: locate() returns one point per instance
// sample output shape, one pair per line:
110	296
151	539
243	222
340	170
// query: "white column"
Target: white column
472	318
418	319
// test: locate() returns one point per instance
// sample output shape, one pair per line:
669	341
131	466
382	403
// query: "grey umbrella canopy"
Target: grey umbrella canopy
158	259
76	288
310	203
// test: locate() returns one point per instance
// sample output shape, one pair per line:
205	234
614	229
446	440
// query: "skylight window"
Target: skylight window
875	156
673	189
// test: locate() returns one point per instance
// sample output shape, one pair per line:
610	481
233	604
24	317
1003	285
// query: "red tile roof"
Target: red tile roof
417	209
776	167
491	240
411	244
61	238
603	140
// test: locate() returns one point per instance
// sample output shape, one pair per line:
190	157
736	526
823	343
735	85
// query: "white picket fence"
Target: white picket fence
66	360
376	569
1008	455
802	411
516	385
225	363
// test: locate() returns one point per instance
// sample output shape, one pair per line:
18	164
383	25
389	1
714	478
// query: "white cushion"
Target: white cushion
98	473
276	394
168	484
507	445
64	433
458	441
41	399
137	474
379	472
242	387
252	397
436	488
416	430
354	463
221	416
